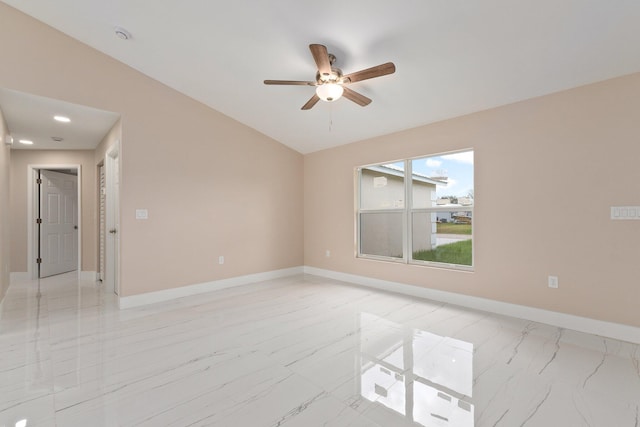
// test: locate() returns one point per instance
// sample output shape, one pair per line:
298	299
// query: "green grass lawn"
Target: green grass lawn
451	228
452	253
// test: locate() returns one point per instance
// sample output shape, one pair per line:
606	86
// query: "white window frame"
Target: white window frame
360	211
408	211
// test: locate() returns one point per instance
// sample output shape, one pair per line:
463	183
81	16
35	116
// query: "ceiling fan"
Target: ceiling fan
330	83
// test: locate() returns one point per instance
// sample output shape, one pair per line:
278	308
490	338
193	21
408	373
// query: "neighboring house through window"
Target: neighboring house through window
427	219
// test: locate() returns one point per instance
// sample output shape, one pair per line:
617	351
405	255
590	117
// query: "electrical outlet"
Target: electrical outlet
220	260
553	282
327	253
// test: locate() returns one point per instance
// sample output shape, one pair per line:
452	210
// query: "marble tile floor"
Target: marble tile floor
299	351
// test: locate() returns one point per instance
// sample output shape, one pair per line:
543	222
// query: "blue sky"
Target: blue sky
458	167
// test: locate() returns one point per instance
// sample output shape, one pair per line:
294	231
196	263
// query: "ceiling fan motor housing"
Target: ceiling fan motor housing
334	77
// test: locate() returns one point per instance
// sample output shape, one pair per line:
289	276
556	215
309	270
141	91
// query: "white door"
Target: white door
59	227
113	221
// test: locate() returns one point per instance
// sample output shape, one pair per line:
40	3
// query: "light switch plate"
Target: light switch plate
625	212
142	214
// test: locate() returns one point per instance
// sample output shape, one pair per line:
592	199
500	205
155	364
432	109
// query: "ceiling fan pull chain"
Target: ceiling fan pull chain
330	118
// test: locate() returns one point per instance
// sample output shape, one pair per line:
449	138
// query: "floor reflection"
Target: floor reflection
418	374
35	365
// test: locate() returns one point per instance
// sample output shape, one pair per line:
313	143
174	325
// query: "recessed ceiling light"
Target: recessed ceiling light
26	142
62	119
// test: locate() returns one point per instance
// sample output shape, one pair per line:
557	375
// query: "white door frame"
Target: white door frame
32	202
101	186
112	249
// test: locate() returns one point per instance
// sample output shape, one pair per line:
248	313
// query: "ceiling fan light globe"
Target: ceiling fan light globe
329	92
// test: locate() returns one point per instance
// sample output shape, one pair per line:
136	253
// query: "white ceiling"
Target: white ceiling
453	57
30	117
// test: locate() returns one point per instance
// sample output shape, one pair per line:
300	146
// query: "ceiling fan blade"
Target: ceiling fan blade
321	56
354	96
310	103
369	73
289	82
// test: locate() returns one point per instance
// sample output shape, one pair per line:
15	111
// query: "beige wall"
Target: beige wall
5	249
113	137
212	186
20	161
562	159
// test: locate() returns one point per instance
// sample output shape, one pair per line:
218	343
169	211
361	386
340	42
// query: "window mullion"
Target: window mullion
407	233
358	210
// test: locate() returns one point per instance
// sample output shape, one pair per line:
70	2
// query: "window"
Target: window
418	210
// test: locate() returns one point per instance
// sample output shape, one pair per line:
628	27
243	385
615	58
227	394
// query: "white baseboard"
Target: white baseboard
18	276
88	275
562	320
199	288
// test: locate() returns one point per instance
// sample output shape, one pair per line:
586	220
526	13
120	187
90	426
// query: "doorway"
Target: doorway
54	230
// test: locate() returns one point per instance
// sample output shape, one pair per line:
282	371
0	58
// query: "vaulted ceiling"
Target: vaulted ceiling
453	57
